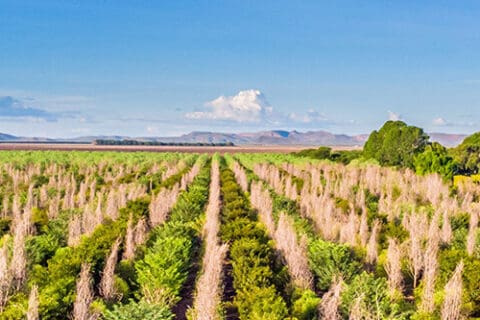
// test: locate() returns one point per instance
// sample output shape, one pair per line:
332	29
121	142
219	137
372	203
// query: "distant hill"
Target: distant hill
271	137
6	137
447	139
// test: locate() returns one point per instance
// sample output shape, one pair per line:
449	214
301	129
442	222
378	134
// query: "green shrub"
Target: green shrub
305	305
138	311
164	269
374	298
328	259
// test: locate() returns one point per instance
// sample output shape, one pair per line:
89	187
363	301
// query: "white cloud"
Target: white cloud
439	121
151	130
245	106
393	116
311	116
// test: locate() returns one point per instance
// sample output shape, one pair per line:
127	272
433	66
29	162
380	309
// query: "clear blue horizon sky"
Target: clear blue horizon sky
160	68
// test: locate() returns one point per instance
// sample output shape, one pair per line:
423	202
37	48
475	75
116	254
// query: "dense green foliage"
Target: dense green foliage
395	144
256	277
435	159
326	153
138	311
172	249
467	155
158	280
329	259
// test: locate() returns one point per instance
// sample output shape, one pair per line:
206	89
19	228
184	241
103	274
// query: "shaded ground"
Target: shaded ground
190	149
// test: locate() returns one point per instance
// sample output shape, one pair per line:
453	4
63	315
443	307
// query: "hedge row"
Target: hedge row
172	251
258	278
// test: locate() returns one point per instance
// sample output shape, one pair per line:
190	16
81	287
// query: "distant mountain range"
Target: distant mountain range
272	137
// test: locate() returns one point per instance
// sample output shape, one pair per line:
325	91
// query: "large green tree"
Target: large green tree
467	154
395	144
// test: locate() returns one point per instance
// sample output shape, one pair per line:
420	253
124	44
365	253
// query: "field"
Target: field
190	149
231	235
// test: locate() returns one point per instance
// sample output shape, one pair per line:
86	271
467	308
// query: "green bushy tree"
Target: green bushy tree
138	311
435	159
328	259
467	155
395	144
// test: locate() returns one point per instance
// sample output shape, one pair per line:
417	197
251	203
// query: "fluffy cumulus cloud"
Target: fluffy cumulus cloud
393	116
12	108
251	108
311	116
439	121
245	106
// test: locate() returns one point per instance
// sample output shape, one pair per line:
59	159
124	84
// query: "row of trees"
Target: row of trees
400	145
126	142
398	239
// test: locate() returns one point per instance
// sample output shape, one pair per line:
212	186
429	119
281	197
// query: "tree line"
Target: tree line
128	142
400	145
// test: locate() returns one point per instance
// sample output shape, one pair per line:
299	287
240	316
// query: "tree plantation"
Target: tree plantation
105	235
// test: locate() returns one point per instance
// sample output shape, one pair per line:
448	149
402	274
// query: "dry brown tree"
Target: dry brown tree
453	295
208	289
5	277
430	267
393	266
161	205
32	313
295	253
446	232
372	245
417	226
129	249
241	176
107	283
472	231
18	264
331	301
84	295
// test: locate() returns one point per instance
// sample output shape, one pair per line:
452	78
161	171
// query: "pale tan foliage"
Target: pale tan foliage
431	267
363	228
107	283
446	232
451	308
112	205
74	230
472	231
32	313
129	250
241	176
372	246
331	301
349	230
262	202
5	206
18	264
141	230
208	295
417	226
295	254
359	311
161	205
393	266
208	290
5	277
84	295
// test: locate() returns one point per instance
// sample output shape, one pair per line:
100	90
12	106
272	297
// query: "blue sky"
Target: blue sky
159	68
